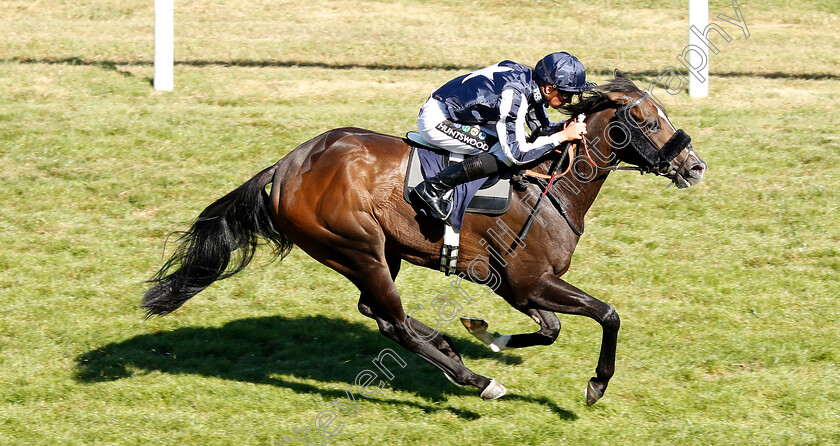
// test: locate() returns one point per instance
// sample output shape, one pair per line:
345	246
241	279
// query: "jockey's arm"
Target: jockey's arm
515	146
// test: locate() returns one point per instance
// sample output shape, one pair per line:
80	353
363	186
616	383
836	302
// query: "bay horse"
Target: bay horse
339	197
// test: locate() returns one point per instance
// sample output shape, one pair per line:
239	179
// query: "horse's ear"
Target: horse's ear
618	74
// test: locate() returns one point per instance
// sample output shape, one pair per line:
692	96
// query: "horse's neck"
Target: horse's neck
576	190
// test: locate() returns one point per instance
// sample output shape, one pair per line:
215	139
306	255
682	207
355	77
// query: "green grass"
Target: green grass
727	291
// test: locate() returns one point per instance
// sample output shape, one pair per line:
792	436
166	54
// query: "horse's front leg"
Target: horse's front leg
559	296
547	334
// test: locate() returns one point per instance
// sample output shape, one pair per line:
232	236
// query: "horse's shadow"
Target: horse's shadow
285	352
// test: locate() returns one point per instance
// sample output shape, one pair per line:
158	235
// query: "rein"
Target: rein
550	177
654	160
569	154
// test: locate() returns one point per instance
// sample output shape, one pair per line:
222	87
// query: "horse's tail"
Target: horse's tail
235	224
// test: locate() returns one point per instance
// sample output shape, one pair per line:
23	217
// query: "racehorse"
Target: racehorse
339	197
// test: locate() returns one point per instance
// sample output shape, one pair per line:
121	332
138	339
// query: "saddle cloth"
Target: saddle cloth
483	196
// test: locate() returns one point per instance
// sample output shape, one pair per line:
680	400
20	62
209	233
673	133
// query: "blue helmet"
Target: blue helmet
563	72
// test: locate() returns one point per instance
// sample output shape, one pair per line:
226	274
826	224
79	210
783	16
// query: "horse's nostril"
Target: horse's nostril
699	167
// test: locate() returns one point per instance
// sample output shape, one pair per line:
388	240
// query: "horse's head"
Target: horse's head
640	133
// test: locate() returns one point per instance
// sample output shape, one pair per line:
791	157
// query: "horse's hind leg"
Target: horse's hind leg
365	301
380	301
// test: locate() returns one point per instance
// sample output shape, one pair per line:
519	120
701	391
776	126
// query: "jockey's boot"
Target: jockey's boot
434	192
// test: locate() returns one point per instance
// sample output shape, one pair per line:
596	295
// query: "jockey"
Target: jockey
483	115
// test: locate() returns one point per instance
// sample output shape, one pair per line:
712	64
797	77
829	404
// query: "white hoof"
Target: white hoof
493	391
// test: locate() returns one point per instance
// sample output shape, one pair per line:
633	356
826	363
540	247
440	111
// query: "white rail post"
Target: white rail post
698	17
164	45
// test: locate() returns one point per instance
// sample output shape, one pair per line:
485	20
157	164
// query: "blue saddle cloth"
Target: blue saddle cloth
433	162
488	196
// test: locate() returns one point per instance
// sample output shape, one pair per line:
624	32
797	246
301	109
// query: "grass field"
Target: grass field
727	291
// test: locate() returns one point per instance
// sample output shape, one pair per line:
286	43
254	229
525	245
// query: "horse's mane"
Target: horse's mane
590	101
598	95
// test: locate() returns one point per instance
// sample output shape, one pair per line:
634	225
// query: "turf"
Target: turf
727	291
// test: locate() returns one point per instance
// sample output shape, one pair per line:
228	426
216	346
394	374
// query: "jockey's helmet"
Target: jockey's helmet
564	72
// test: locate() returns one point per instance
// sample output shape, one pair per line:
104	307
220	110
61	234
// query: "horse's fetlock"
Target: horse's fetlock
550	333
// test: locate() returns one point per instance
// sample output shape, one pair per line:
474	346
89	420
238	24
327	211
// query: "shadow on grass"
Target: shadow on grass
285	352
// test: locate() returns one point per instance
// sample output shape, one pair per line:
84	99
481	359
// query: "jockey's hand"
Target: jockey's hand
574	131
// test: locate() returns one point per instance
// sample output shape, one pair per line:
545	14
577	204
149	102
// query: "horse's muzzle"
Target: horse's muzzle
687	169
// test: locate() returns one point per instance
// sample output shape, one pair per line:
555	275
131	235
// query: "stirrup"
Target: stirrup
447	200
426	198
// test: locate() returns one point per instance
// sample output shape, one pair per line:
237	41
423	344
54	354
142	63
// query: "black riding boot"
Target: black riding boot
434	192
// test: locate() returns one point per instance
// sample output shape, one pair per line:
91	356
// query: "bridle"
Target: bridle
652	159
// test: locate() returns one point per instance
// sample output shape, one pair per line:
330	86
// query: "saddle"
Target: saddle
492	196
484	196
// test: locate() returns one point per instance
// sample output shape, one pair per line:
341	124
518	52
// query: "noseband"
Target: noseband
652	159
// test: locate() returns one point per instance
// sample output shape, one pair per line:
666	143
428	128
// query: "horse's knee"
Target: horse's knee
549	326
610	319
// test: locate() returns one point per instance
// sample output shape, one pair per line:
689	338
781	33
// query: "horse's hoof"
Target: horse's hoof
493	391
592	394
474	325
